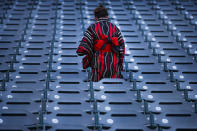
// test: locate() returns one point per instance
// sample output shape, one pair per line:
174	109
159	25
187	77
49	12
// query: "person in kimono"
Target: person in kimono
103	47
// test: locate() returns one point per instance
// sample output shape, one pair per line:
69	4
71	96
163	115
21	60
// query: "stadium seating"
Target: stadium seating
43	86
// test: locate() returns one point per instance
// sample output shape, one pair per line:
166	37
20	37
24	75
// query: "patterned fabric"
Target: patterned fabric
104	64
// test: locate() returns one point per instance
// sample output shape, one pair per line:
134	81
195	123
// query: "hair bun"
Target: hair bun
100	11
101	6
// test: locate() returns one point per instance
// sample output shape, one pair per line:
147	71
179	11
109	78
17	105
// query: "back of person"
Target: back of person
103	46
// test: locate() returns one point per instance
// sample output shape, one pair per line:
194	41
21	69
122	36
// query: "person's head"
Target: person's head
100	12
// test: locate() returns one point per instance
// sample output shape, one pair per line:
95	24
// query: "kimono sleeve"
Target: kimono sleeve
121	43
86	44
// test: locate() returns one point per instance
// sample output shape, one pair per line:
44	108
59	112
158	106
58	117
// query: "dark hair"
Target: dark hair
100	11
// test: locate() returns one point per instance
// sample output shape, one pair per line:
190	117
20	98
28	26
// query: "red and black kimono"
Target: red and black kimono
104	62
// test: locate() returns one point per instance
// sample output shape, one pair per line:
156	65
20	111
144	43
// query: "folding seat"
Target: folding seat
74	127
69	11
158	32
115	6
38	37
147	15
182	26
175	53
191	38
69	74
69	22
182	67
27	85
35	44
193	52
130	34
10	38
117	14
20	118
137	52
164	38
66	45
123	97
70	119
15	24
113	92
127	28
5	127
5	44
7	49
6	55
65	97
40	31
40	14
134	46
150	22
155	94
5	59
143	66
69	2
11	31
43	21
40	52
21	104
109	101
108	85
176	60
72	82
122	22
187	122
158	89
31	65
162	106
131	38
15	15
148	37
174	67
65	50
191	96
30	51
40	26
159	47
140	60
27	75
33	51
68	38
13	94
70	86
184	75
150	76
189	44
186	85
123	119
4	67
80	102
37	59
64	61
154	87
109	104
67	15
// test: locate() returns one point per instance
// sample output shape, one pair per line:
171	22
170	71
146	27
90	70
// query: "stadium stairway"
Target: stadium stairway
42	83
